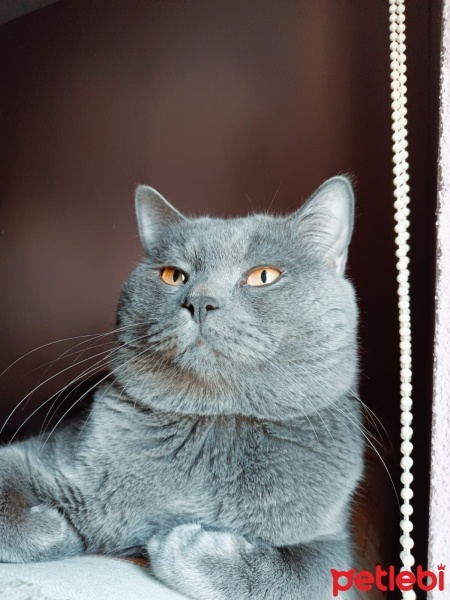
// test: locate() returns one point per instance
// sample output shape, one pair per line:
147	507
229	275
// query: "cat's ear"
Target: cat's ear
153	212
327	220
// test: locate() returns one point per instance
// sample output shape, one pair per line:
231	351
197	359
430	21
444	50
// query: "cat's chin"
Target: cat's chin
201	357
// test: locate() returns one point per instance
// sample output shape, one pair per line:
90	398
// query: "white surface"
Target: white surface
81	578
439	543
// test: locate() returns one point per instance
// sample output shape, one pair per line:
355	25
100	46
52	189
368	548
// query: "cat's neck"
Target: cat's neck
113	397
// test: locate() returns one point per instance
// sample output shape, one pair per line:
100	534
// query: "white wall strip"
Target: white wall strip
439	546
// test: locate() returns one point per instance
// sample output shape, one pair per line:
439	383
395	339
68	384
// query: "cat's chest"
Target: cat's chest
214	465
211	452
239	474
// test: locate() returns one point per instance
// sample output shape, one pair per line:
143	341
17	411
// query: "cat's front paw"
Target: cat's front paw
36	533
198	562
31	527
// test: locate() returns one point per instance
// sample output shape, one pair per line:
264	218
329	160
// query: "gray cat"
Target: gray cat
227	440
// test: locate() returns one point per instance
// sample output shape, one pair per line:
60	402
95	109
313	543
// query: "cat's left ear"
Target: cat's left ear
327	220
153	212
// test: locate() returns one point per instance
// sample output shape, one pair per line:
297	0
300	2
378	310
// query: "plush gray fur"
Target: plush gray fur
226	442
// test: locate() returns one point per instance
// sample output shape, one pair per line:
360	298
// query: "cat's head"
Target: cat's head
249	316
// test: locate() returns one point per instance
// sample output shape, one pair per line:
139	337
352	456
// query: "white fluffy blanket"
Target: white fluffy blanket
81	578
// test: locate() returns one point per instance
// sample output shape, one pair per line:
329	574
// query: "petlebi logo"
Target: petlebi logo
387	580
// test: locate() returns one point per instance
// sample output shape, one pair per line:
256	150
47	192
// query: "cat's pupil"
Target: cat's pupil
175	276
264	276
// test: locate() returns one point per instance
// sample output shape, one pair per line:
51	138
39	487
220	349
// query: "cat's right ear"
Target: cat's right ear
326	219
153	212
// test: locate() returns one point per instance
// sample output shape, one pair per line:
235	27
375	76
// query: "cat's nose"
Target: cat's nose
200	306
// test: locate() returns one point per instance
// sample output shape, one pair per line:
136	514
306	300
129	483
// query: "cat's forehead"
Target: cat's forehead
211	241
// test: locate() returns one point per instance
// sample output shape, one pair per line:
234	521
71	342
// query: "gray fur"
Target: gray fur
229	449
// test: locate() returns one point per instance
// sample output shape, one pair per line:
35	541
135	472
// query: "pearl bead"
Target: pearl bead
406	509
406	418
406	404
407	478
406	525
406	432
406	494
408	560
407	542
406	447
406	462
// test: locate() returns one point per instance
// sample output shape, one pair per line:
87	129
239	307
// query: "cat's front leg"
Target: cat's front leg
31	528
198	562
214	565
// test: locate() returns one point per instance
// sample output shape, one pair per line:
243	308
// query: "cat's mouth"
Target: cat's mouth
203	344
200	335
202	350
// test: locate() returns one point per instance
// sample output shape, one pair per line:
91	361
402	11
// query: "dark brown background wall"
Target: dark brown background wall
226	108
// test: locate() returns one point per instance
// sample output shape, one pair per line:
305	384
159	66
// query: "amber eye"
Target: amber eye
263	276
173	276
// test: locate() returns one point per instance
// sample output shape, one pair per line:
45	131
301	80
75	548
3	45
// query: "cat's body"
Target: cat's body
226	441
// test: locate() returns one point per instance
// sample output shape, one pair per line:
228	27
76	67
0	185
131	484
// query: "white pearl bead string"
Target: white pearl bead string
401	194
